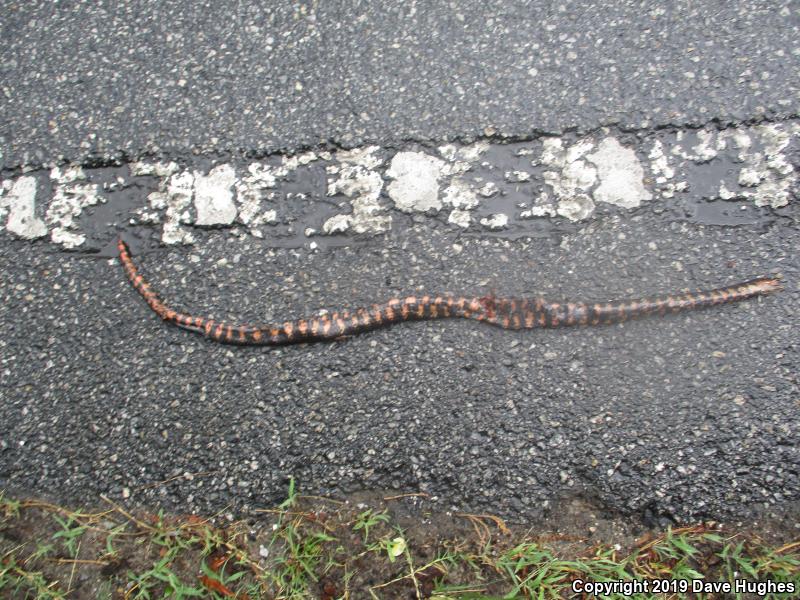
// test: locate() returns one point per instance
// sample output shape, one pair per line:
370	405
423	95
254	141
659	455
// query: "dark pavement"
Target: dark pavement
686	417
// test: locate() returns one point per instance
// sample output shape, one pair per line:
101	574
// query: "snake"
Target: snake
508	313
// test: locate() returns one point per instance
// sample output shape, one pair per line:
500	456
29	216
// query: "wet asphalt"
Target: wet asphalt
686	417
94	81
682	417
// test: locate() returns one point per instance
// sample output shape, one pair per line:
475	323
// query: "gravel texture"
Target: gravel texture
687	416
105	80
673	164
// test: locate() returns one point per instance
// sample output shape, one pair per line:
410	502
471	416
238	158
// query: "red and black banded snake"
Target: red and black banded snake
508	313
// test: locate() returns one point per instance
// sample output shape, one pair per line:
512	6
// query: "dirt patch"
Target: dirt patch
370	545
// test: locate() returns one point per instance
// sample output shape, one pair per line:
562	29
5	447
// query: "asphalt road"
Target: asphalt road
116	80
685	417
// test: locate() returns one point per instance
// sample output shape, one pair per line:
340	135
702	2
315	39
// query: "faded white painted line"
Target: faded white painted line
496	221
767	176
620	173
20	203
159	169
72	195
213	196
358	178
416	182
569	175
250	194
576	208
552	178
174	197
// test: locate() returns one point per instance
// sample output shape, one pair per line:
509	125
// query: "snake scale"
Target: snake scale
509	313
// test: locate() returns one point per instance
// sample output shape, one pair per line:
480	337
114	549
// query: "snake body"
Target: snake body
508	313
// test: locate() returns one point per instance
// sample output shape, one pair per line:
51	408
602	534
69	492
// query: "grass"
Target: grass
320	548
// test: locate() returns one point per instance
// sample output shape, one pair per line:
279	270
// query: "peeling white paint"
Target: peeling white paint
448	152
459	217
620	173
572	175
488	190
290	163
552	153
663	171
495	221
213	196
749	177
20	203
467	154
460	194
472	152
538	211
336	224
543	206
660	163
517	176
250	193
69	200
157	169
741	139
705	150
776	139
416	182
768	176
576	208
64	208
777	173
176	199
577	174
460	160
578	150
69	174
170	204
773	192
725	193
358	180
363	157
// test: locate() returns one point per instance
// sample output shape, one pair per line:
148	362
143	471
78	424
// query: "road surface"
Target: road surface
266	163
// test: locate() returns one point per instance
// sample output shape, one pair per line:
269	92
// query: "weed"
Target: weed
23	583
296	564
369	519
69	535
161	576
9	506
303	550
